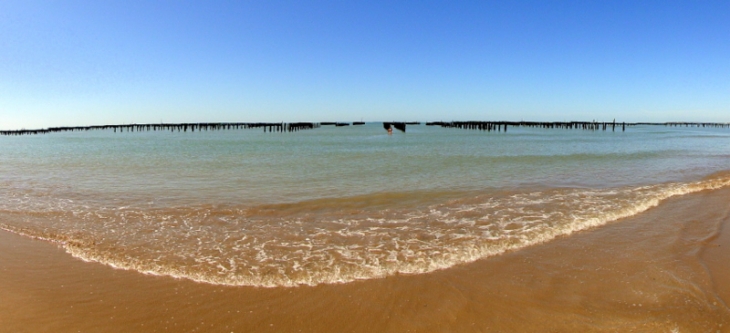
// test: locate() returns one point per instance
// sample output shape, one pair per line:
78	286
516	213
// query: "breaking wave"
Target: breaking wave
327	240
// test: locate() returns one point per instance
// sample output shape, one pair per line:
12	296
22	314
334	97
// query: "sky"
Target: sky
78	63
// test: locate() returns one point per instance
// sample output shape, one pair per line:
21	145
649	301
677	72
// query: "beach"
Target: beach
663	270
257	166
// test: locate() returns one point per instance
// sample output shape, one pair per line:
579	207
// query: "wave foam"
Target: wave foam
272	248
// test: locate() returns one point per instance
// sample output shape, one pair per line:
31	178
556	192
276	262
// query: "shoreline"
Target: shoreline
660	270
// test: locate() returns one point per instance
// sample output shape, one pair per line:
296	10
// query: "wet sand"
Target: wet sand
665	270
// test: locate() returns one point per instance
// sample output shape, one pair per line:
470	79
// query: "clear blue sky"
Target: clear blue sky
107	62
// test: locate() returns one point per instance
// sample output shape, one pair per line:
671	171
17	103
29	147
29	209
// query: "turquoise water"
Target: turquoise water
336	204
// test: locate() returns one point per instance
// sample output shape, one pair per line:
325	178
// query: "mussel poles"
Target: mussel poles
282	127
502	126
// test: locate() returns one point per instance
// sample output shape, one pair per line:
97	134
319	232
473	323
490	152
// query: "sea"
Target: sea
329	205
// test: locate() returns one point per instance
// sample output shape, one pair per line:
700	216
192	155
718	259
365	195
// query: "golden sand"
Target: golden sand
666	270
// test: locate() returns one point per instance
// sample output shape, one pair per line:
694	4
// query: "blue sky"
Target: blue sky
109	62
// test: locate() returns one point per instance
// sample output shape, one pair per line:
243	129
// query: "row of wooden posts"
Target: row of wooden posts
184	127
584	125
500	126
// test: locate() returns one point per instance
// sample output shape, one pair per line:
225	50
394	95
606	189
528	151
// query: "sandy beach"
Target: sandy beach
664	270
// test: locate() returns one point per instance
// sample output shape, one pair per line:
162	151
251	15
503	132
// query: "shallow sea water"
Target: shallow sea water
335	205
